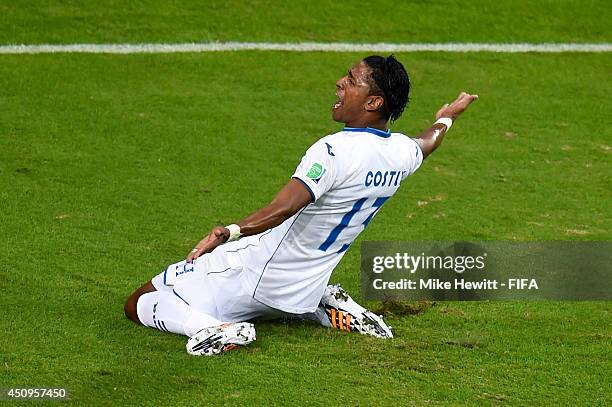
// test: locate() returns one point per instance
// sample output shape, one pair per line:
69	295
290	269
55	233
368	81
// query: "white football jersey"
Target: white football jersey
350	175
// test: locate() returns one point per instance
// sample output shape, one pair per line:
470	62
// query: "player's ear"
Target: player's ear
374	103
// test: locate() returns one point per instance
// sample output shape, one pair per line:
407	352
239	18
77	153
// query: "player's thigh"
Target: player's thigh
195	282
234	298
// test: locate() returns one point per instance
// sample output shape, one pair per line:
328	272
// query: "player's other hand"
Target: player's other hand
459	106
217	236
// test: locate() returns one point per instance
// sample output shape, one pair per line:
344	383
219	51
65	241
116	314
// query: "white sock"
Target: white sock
168	313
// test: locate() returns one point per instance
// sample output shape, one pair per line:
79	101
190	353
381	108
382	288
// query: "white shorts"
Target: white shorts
214	289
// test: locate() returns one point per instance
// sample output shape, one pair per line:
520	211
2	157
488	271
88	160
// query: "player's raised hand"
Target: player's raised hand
218	235
454	109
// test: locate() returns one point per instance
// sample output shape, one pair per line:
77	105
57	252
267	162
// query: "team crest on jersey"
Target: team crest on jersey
316	172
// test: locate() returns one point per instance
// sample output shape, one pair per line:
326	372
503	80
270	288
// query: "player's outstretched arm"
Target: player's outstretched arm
431	138
290	199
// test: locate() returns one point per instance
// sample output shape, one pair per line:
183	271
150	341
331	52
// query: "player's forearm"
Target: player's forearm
290	199
270	216
266	218
431	138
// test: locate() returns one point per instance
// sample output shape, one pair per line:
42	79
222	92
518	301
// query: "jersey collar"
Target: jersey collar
379	133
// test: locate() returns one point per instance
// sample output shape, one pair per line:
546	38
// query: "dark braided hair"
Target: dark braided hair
389	79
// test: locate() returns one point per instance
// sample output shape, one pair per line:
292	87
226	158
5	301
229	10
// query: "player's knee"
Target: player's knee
130	308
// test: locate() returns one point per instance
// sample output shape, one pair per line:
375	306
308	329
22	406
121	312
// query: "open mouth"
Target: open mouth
338	102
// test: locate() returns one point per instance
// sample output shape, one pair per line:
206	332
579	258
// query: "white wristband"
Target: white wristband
447	121
234	232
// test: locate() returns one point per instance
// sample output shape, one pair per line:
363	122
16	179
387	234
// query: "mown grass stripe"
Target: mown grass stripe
160	48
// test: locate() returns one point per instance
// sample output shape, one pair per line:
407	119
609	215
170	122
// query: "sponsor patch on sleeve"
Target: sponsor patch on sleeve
316	172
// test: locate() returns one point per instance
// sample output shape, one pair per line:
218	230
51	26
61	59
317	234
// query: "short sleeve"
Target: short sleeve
316	170
414	157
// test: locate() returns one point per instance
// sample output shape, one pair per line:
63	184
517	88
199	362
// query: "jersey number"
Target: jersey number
346	219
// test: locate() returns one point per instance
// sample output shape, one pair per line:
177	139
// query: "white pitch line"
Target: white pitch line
301	47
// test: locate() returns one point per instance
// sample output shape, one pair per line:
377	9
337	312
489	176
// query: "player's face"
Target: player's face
352	94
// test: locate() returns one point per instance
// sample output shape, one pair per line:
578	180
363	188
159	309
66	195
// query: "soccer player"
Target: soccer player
277	261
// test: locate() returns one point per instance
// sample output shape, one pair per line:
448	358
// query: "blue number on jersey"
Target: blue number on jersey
346	219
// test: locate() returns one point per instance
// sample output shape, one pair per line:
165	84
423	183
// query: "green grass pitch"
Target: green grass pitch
113	166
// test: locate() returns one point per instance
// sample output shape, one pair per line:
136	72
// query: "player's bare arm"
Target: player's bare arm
289	200
431	138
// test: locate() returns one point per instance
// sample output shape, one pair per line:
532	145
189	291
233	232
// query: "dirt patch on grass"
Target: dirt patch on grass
400	308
